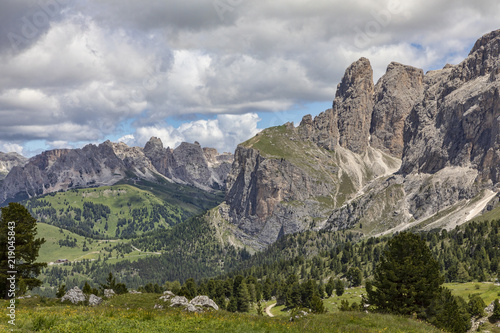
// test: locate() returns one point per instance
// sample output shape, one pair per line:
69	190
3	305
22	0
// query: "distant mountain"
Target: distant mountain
8	161
109	163
412	150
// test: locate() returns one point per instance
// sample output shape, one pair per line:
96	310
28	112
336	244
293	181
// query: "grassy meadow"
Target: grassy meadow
135	313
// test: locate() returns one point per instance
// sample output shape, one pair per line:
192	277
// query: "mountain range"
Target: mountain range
109	163
413	150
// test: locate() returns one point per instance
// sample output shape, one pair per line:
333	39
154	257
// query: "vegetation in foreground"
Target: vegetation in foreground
134	313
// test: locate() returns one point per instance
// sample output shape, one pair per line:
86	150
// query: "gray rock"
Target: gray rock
204	301
178	301
192	308
134	292
108	293
94	300
74	295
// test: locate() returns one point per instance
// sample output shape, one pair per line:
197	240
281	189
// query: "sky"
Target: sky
74	72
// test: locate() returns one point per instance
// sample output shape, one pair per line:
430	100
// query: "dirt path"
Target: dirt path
268	310
144	251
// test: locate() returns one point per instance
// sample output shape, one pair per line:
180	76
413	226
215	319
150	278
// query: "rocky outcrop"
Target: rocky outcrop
178	301
204	302
197	304
397	91
8	161
108	163
74	295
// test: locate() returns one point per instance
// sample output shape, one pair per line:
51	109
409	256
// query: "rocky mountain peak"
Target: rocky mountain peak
154	143
482	60
353	105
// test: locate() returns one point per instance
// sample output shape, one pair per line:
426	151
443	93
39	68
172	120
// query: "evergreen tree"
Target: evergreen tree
243	298
19	249
339	287
330	285
476	305
449	312
61	291
407	277
496	310
354	276
87	289
232	306
317	305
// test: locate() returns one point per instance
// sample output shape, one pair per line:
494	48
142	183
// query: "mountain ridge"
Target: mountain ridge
109	163
441	127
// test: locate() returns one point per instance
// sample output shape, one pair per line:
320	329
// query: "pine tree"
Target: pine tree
407	278
243	298
339	287
449	312
19	249
330	285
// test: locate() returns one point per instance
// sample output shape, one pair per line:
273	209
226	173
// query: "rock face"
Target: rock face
108	163
74	295
343	167
395	95
458	121
9	161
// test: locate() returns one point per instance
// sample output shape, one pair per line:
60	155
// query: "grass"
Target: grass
121	199
134	313
487	290
50	251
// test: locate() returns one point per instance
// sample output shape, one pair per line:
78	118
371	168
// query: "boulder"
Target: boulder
74	295
94	300
179	301
204	301
108	293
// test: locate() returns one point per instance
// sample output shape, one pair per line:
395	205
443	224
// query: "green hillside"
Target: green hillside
121	211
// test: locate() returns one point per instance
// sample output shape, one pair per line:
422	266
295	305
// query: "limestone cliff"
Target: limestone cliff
397	91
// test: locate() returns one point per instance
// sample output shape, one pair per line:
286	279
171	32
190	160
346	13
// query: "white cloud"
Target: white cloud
6	147
222	133
97	64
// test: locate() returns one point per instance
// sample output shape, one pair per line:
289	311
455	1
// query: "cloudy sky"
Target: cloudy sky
214	71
